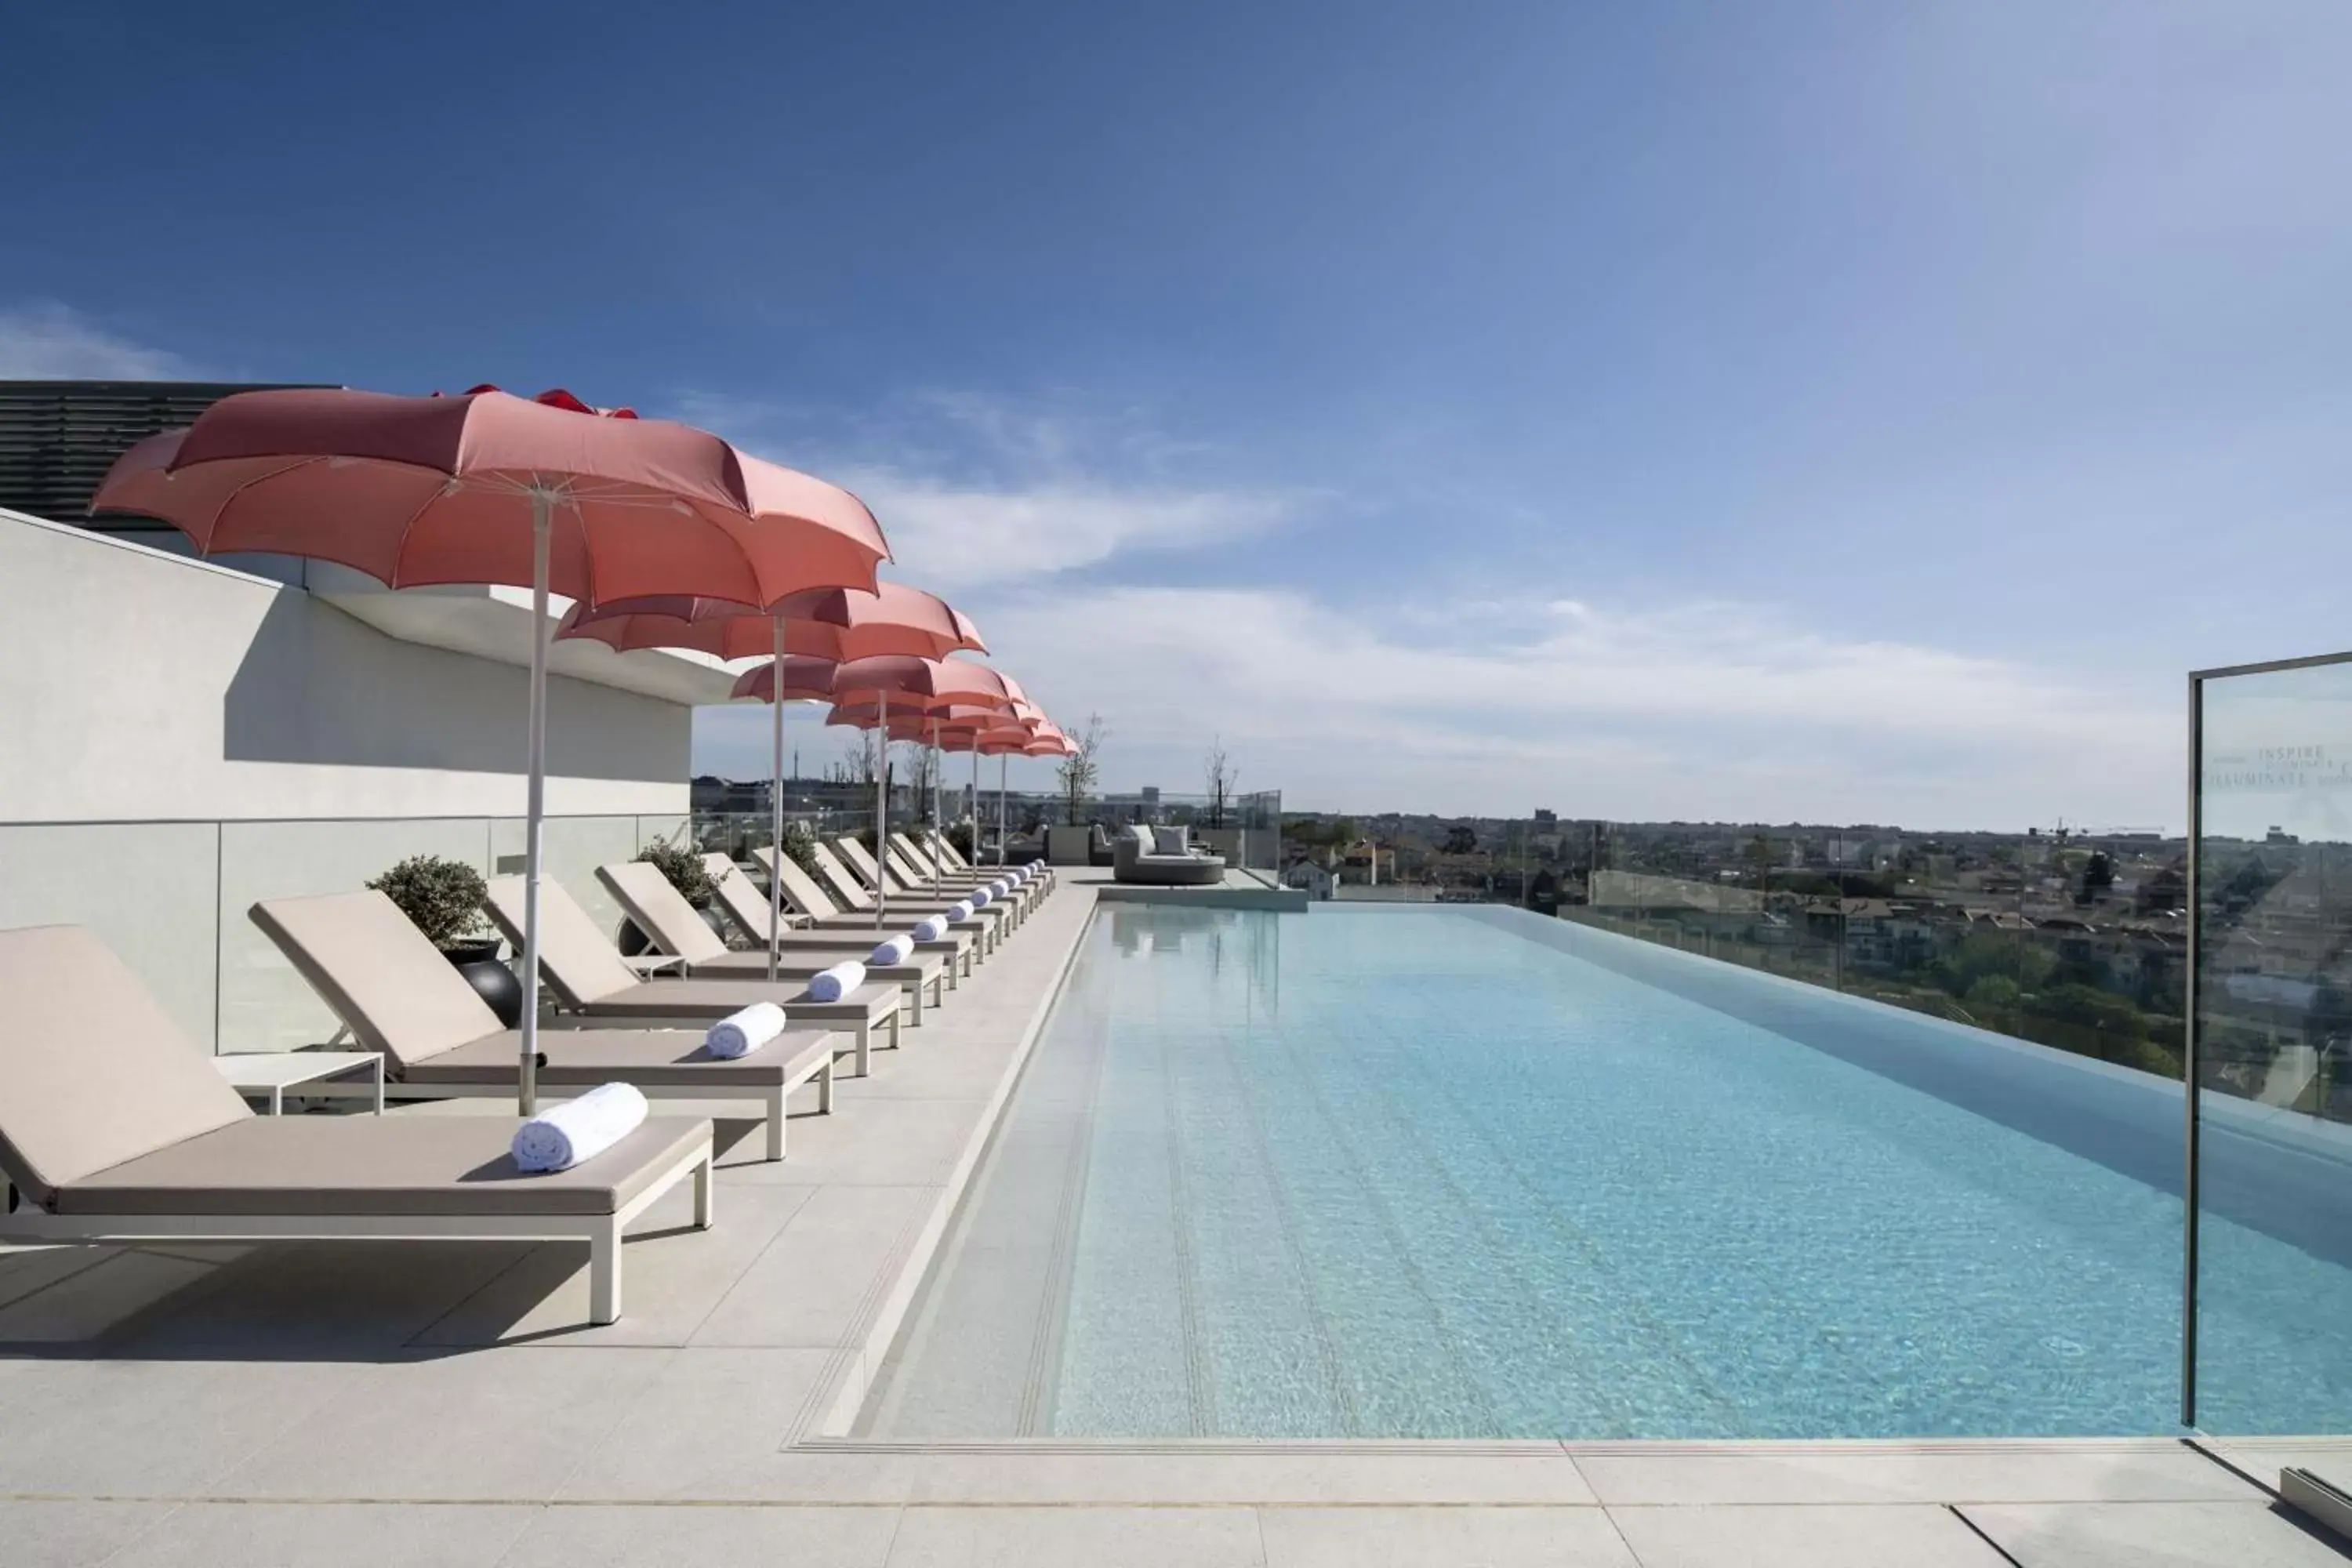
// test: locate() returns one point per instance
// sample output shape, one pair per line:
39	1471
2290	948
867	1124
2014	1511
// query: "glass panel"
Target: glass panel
572	847
264	1004
2273	1336
145	888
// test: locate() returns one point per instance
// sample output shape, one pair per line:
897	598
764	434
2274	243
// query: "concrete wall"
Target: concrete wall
141	686
178	741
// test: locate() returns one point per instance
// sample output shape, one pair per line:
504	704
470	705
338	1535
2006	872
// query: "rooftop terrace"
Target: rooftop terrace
446	1402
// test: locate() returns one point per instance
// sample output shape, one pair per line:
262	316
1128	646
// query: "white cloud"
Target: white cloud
976	490
959	535
48	341
1716	711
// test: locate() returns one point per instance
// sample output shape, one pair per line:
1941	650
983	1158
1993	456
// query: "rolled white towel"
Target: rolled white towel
1002	887
897	950
981	898
933	929
563	1135
959	913
833	985
740	1034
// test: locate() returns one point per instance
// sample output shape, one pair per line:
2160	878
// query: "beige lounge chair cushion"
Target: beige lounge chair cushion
92	1071
801	890
647	1057
660	910
399	993
700	999
580	961
746	905
333	1166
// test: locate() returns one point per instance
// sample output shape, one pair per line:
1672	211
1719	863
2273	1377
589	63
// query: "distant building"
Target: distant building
1316	881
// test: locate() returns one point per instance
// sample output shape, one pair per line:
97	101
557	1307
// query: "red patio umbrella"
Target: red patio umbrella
491	489
835	623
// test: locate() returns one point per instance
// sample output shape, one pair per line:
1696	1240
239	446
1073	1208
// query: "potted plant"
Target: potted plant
681	866
443	899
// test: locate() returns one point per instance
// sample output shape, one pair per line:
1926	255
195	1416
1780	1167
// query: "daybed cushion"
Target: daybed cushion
339	1165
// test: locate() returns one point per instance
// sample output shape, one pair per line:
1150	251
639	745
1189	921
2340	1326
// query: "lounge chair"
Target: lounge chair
825	916
956	859
899	893
911	877
747	906
913	861
400	995
592	981
856	895
671	924
114	1127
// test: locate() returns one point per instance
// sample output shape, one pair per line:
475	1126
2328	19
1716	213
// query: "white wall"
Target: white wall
141	686
178	741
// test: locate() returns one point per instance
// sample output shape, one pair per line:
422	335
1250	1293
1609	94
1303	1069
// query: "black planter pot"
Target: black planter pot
492	981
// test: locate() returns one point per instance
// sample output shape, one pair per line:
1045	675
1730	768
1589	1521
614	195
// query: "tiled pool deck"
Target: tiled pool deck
444	1404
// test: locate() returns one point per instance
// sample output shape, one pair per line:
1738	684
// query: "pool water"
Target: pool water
1442	1173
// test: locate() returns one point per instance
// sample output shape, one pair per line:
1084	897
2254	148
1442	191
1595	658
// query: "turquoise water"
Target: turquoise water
1414	1174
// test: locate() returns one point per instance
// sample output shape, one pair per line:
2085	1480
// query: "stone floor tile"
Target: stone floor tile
73	1534
708	1425
1078	1537
1804	1535
1536	1474
658	1536
328	1535
1988	1472
673	1278
136	1429
322	1300
505	1425
82	1305
2154	1536
1442	1538
819	1278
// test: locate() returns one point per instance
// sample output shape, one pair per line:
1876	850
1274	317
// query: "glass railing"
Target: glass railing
2070	939
2271	1253
172	898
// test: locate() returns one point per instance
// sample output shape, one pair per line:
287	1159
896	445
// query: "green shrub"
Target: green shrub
799	843
442	898
961	836
682	867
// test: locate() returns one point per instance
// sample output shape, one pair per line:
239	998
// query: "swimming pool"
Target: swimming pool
1470	1172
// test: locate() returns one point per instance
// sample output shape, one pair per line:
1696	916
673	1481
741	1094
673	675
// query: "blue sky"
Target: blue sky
1834	411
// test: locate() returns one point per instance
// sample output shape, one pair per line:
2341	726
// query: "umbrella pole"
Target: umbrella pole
1003	766
977	858
776	812
881	805
542	525
938	766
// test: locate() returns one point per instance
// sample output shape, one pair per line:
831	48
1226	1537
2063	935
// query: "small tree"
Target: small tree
441	897
1222	775
921	771
799	843
682	867
1082	768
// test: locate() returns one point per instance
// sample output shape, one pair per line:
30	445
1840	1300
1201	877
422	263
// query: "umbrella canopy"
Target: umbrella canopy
490	488
905	683
806	680
422	491
835	623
